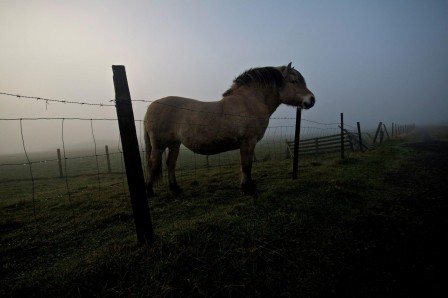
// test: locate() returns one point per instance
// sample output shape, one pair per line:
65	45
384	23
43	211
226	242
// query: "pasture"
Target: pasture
370	225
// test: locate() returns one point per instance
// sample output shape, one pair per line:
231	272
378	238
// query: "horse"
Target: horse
237	121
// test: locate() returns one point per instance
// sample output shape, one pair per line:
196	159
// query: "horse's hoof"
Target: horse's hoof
249	189
175	188
149	191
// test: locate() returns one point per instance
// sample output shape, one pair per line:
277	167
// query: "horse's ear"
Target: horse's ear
288	69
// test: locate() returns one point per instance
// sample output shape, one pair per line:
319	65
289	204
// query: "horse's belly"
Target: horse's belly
212	147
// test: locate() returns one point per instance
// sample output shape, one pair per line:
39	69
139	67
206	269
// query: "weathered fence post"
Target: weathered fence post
342	136
359	136
385	130
61	175
295	162
131	154
377	132
109	169
381	134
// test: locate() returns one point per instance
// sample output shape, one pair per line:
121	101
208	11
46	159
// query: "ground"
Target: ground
404	247
371	225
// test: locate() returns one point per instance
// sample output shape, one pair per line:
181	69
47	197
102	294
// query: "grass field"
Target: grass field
366	226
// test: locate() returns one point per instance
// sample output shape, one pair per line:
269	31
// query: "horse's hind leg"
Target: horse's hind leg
154	165
171	164
246	154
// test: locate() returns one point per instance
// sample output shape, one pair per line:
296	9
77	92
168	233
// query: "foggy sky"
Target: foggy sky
372	60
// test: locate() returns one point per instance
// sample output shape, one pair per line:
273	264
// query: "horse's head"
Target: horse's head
294	91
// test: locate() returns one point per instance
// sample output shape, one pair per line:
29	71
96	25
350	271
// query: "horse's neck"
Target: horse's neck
262	100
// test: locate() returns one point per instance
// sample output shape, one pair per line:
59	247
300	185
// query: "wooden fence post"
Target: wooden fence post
61	174
377	132
131	154
385	130
342	136
360	136
381	134
295	162
109	169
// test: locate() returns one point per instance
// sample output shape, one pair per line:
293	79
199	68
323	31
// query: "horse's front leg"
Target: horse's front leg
246	154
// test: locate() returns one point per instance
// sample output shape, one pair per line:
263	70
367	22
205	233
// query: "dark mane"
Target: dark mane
263	76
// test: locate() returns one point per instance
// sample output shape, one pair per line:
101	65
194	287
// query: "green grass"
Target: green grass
297	238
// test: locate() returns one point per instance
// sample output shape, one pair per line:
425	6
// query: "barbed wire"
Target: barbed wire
47	100
148	101
60	118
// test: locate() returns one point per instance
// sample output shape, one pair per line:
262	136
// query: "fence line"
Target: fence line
69	191
272	143
395	128
274	135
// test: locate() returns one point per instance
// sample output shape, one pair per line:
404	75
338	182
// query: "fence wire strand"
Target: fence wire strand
149	101
66	178
47	100
96	159
31	172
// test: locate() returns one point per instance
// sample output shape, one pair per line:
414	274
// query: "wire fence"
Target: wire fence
87	158
272	146
95	169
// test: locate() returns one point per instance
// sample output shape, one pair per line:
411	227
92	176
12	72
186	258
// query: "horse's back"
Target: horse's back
176	106
171	117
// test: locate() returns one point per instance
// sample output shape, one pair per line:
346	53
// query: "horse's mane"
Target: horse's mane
263	76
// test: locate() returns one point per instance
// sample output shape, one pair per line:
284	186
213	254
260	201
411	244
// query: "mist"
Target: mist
373	61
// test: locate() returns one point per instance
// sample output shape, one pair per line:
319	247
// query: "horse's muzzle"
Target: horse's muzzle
309	102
